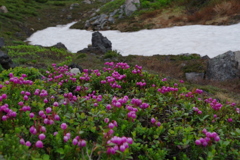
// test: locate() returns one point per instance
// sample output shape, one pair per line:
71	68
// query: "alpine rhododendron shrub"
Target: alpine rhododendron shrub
119	112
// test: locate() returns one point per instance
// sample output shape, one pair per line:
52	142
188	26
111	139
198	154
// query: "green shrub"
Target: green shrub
32	73
111	54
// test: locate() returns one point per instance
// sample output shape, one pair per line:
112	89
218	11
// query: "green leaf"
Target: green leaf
46	157
60	150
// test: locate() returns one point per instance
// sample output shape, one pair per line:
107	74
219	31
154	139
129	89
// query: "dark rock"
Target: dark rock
101	42
1	42
60	46
100	45
73	65
205	57
224	67
5	61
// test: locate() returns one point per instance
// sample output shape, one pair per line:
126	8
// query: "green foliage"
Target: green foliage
155	4
35	55
111	6
81	55
111	54
32	73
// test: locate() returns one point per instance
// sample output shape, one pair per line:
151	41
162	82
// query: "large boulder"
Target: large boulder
131	6
3	9
6	61
100	44
224	67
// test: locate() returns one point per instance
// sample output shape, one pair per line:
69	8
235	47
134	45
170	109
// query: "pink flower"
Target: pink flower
108	107
198	142
230	119
31	115
41	136
130	140
28	144
158	124
122	148
40	113
25	97
48	110
4	118
56	117
22	141
43	129
55	104
106	120
39	144
74	141
64	126
82	143
153	120
65	138
111	125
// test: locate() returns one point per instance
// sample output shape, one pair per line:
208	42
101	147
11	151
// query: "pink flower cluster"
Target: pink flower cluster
137	70
119	102
118	144
214	104
165	89
120	65
18	80
9	114
155	122
141	84
22	141
132	112
195	109
209	139
78	141
111	125
69	97
112	80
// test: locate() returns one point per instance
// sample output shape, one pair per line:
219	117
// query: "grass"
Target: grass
27	55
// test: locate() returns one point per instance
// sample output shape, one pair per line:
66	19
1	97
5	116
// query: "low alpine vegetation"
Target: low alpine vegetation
119	112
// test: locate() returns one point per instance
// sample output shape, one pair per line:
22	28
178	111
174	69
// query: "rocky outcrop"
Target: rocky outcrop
6	61
3	9
131	6
100	44
224	67
101	22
